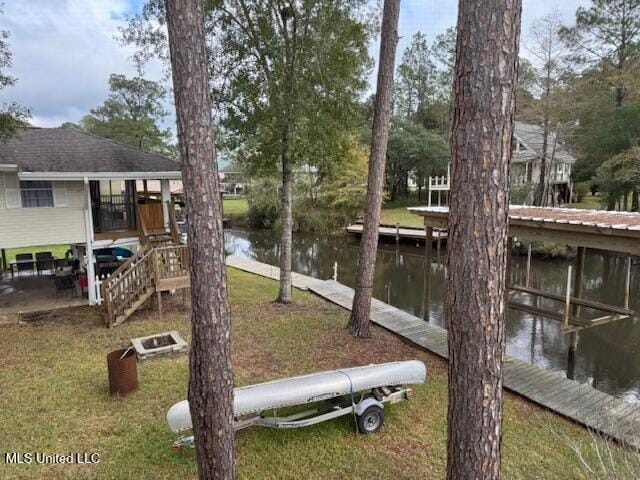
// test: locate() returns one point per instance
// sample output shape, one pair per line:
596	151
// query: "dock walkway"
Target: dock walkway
577	401
405	233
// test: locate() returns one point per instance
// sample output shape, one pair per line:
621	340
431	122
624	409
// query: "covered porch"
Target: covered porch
118	214
118	219
27	294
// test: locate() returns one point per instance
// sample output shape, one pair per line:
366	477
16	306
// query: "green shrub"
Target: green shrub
542	249
581	190
522	194
264	203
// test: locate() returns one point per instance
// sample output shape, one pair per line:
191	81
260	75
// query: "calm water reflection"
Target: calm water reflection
608	357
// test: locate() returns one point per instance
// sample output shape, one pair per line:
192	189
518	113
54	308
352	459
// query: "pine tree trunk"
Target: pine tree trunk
634	201
540	199
359	322
286	236
477	253
210	374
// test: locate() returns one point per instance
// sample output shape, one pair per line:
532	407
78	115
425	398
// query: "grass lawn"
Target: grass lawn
396	212
235	207
54	399
589	202
58	251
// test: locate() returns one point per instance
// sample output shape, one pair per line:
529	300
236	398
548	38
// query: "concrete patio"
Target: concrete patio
32	293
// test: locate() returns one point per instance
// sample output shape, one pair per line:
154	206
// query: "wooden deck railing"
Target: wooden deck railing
172	268
151	270
128	287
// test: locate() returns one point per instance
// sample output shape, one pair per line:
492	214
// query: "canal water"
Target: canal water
608	356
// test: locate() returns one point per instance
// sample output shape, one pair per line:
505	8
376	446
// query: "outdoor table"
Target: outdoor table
15	263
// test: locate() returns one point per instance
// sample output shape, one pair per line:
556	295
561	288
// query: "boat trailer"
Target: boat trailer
360	391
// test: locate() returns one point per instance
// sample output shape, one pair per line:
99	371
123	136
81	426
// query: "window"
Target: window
36	194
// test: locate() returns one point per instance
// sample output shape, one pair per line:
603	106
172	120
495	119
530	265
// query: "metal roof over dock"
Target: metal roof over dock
614	231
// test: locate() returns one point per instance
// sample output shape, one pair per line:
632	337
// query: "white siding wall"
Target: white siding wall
26	227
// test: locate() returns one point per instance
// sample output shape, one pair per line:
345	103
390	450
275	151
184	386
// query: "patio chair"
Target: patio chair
22	265
45	261
62	263
65	281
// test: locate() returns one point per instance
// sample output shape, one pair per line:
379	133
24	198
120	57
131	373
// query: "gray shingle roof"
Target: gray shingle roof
71	150
530	136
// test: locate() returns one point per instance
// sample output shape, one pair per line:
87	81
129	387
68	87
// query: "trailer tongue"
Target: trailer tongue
362	391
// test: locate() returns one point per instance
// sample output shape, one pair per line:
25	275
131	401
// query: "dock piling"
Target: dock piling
567	304
627	284
528	277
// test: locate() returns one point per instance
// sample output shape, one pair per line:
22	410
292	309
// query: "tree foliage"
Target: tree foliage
595	86
539	85
423	104
413	151
606	36
619	176
12	115
320	204
131	114
286	81
251	81
604	130
414	88
345	188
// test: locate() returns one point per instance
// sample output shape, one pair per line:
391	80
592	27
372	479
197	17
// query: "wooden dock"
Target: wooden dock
403	233
299	281
579	402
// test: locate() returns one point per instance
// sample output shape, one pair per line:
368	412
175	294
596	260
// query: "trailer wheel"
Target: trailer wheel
371	420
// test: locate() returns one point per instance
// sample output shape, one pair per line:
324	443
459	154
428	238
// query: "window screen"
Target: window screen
36	194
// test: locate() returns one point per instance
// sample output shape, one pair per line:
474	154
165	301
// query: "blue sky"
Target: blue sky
64	50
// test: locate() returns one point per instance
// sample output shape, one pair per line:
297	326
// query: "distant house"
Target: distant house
65	186
232	179
526	158
232	183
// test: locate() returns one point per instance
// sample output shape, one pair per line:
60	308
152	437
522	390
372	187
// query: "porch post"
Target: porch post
165	189
88	225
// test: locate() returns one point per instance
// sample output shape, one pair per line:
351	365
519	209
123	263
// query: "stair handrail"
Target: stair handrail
130	285
173	223
125	266
123	272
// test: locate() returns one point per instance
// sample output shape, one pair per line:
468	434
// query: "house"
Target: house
232	180
526	159
65	186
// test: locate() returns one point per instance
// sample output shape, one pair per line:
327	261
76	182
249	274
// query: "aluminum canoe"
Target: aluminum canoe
309	388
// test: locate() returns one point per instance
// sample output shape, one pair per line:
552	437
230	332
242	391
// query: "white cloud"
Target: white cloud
63	54
65	50
433	17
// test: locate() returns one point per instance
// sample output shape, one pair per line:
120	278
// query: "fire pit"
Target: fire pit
159	344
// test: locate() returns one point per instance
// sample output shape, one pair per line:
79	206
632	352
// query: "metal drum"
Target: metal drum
123	371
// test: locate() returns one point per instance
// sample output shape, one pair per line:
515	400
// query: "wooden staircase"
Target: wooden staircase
153	269
161	265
